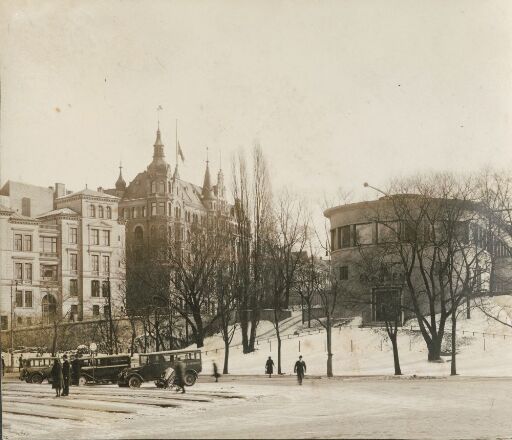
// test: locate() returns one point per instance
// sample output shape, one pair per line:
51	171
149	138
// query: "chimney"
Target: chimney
60	190
100	189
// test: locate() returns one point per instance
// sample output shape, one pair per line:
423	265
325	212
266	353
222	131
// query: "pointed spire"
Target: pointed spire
207	184
158	164
120	184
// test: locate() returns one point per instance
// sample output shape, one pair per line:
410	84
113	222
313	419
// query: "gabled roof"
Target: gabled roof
90	193
62	211
5	209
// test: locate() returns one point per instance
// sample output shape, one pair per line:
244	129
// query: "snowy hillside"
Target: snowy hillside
484	347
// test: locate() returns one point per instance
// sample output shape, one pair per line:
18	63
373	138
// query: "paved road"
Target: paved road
258	407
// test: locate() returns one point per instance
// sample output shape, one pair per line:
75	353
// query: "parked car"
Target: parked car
36	369
98	370
152	365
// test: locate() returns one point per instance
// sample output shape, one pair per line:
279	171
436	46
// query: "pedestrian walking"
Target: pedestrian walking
269	367
216	373
66	377
20	362
3	366
75	370
56	375
300	369
179	379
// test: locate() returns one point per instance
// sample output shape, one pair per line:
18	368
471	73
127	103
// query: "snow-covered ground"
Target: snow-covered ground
484	349
259	407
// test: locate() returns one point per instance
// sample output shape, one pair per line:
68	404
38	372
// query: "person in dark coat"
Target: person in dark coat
300	369
216	373
3	366
66	377
56	375
20	362
179	379
75	370
269	367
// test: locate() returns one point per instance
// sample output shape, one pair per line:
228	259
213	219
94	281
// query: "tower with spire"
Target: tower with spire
120	183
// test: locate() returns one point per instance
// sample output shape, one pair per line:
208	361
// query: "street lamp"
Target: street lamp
367	185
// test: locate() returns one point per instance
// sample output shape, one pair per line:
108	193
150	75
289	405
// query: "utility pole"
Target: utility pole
12	327
110	322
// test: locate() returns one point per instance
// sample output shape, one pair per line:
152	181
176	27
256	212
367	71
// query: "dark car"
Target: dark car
37	369
152	365
98	370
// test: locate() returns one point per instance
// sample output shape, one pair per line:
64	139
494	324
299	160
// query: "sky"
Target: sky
335	92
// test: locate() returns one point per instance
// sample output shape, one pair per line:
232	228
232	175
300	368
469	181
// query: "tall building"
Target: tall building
157	204
61	254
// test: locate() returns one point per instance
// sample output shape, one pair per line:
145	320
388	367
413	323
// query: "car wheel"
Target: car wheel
36	378
134	382
190	378
82	381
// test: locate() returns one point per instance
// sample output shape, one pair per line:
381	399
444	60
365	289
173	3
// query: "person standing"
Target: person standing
269	367
3	366
75	370
216	371
179	379
56	375
300	369
20	362
66	370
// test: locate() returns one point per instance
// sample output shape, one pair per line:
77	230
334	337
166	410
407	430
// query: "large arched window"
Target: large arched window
92	211
139	234
161	187
49	304
101	213
153	187
109	212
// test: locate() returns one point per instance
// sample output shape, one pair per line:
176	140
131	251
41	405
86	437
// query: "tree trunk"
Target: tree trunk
468	308
434	348
254	326
226	356
134	335
244	326
329	352
396	359
54	340
309	313
278	336
453	369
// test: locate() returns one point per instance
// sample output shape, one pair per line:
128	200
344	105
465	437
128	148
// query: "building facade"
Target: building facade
61	254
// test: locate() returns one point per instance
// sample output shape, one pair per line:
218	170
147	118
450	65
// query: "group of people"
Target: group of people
61	376
175	376
299	368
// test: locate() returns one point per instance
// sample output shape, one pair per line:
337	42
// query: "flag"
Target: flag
180	152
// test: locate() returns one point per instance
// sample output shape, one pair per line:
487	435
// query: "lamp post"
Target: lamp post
12	326
367	185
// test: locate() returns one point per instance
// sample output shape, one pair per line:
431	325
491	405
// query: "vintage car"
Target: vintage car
98	370
37	369
152	365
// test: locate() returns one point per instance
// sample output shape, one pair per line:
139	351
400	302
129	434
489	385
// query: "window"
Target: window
153	187
343	272
105	288
386	304
19	321
95	236
95	288
134	212
29	321
73	311
27	243
4	322
105	310
95	263
49	273
387	232
121	213
333	239
18	242
153	208
143	211
109	212
101	212
364	233
73	263
92	211
73	235
106	238
161	187
73	287
25	206
95	310
28	271
18	271
48	244
106	264
169	209
161	208
19	298
139	234
28	298
345	236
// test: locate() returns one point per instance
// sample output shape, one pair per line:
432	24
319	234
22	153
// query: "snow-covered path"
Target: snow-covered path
258	407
